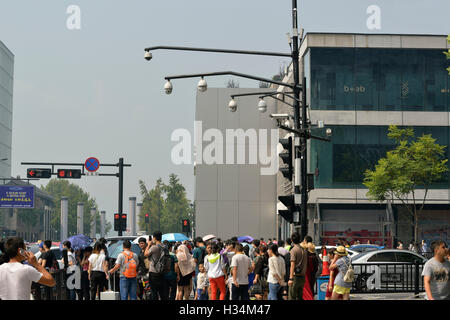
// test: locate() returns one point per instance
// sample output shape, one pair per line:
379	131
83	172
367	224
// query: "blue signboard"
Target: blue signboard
16	196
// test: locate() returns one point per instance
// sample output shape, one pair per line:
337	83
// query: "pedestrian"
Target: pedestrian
411	246
241	267
15	277
255	245
216	268
142	268
333	273
399	245
49	262
298	267
341	261
228	253
98	271
199	255
288	244
127	262
155	250
3	257
281	249
311	270
70	267
423	248
185	271
85	288
436	273
277	270
170	278
260	266
202	283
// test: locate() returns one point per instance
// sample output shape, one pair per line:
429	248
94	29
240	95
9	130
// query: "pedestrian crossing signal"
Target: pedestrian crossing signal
186	225
69	173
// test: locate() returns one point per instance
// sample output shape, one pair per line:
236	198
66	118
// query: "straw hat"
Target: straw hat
341	251
311	247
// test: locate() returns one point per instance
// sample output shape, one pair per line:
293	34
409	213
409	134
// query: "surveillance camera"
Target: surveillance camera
202	86
328	132
148	55
262	106
232	105
168	87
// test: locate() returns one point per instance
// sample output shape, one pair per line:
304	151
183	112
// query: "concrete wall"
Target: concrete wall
234	199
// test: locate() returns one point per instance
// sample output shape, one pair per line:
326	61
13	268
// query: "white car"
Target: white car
386	269
58	255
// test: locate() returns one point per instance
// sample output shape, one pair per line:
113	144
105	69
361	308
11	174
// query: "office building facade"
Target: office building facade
6	110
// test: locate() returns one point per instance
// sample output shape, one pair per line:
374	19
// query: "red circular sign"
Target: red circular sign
92	164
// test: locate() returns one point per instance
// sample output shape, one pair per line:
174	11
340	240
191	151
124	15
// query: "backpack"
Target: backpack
162	266
350	274
130	265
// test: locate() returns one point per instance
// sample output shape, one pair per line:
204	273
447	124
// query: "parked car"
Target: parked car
58	255
112	240
366	247
386	269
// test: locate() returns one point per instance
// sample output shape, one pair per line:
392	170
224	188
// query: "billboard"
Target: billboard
16	196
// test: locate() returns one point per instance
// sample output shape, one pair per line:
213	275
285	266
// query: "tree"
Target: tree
61	187
166	205
448	53
232	84
413	164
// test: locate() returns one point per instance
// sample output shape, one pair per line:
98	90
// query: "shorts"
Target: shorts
341	290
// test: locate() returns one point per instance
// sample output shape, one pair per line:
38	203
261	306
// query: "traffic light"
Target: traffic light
186	225
120	224
39	173
124	222
289	203
286	156
147	218
116	222
69	173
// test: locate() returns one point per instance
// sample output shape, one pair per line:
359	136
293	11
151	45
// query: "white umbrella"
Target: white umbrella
137	239
208	237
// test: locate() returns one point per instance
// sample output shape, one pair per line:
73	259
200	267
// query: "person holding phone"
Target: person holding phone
15	277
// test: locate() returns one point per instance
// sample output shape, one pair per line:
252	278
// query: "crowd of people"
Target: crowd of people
197	270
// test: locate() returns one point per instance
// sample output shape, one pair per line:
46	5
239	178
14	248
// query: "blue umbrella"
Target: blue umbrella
115	249
79	241
245	239
174	237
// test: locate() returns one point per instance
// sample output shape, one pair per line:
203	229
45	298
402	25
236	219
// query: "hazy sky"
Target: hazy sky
89	92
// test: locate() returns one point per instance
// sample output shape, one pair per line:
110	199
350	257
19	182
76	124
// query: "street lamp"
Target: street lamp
202	86
262	105
168	87
300	128
232	105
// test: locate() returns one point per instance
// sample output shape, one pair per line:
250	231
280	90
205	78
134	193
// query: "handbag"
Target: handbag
350	274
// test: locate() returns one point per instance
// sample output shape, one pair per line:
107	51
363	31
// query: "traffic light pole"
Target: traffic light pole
119	175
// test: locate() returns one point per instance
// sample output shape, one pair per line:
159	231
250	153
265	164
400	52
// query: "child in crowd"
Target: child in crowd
202	283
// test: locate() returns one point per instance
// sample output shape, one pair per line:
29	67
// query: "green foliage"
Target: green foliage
166	205
413	164
59	188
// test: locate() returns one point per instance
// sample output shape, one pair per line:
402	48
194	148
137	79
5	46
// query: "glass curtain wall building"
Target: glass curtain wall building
359	85
6	108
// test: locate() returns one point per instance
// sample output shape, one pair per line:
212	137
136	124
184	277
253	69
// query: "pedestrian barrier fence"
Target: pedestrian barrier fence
58	292
388	278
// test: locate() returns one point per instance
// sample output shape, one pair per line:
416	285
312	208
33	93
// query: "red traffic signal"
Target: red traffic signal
147	218
69	173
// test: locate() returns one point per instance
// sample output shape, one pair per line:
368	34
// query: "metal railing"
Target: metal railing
58	292
388	278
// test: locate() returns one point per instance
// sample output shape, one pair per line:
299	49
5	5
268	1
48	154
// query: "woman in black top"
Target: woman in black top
260	265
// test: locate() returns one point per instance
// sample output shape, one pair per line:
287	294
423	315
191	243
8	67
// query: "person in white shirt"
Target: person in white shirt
71	262
241	267
216	268
16	278
277	270
98	270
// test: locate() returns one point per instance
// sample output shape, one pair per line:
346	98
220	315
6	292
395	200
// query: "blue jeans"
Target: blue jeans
202	296
128	286
273	290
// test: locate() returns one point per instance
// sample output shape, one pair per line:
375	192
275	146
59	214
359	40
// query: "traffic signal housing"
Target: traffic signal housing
39	173
120	223
69	173
186	225
147	218
286	157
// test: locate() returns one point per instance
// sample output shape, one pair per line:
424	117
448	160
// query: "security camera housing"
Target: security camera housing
148	55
